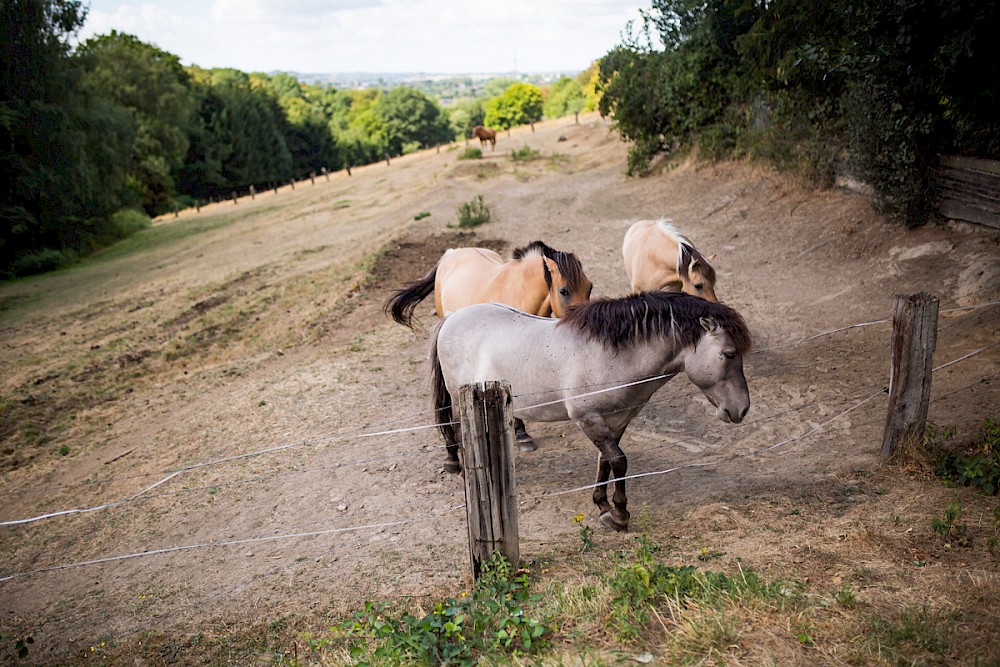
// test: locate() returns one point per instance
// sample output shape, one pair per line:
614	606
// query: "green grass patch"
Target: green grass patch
471	154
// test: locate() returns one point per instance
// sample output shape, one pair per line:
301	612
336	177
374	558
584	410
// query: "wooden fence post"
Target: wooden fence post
348	168
387	163
312	177
488	464
234	197
253	192
914	336
326	173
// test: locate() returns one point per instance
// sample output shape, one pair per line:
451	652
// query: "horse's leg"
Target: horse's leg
601	490
524	441
451	463
612	461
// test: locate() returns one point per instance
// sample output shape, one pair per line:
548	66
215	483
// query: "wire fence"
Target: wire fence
367	433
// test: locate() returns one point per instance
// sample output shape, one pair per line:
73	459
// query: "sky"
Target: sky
325	36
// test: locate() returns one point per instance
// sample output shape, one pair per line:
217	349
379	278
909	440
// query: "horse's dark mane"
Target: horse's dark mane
618	323
686	254
569	266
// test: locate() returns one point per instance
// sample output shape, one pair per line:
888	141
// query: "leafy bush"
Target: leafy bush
525	154
457	631
979	467
471	153
474	213
40	261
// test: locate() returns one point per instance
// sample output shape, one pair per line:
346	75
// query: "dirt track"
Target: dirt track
265	331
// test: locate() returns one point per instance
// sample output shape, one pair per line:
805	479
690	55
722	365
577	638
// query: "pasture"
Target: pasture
225	399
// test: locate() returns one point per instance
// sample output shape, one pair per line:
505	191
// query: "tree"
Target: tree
155	88
60	149
411	120
565	97
520	104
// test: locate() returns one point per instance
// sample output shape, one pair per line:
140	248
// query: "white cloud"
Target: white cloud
375	35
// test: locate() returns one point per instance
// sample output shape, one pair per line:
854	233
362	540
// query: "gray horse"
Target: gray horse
597	366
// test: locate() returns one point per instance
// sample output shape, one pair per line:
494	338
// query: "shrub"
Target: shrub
457	631
471	153
474	213
979	467
525	154
40	261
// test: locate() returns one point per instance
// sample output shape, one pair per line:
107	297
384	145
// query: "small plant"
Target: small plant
457	631
947	526
471	154
17	650
63	450
421	215
525	154
474	213
979	468
586	534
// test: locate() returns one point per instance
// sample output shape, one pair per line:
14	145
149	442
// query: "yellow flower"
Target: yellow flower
579	517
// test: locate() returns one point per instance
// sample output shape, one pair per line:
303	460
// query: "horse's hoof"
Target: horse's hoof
454	467
526	445
609	520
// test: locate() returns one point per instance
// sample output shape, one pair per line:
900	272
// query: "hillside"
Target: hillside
207	384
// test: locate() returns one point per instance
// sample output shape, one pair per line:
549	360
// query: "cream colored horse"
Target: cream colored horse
658	257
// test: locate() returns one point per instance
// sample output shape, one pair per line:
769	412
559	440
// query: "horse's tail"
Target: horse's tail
400	306
442	397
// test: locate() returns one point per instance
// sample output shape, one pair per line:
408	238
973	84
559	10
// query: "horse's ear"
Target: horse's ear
708	324
550	267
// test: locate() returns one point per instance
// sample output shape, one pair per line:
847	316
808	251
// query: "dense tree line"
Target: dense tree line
879	89
97	138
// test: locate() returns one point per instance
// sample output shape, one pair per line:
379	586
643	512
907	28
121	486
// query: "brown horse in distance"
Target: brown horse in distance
485	134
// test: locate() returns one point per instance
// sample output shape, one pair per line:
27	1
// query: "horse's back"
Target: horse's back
487	341
650	255
463	278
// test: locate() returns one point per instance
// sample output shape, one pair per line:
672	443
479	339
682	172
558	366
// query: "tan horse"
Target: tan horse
658	257
537	280
485	134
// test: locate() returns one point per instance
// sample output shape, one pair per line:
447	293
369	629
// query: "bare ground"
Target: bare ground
251	338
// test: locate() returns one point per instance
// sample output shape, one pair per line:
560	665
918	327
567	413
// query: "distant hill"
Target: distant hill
441	86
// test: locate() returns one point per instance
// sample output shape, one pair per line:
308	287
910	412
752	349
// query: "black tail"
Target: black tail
442	398
400	306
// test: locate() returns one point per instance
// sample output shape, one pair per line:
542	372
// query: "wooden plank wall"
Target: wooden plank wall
968	189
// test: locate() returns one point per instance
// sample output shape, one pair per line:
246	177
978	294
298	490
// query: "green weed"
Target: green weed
456	631
474	213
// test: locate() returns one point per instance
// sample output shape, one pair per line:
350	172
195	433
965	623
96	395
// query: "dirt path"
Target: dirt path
264	331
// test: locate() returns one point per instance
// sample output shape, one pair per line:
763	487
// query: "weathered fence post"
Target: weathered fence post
197	206
348	168
387	163
312	177
253	192
914	336
488	463
292	183
326	173
234	197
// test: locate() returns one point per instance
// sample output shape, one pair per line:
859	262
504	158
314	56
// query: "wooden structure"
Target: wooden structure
968	189
914	336
488	465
